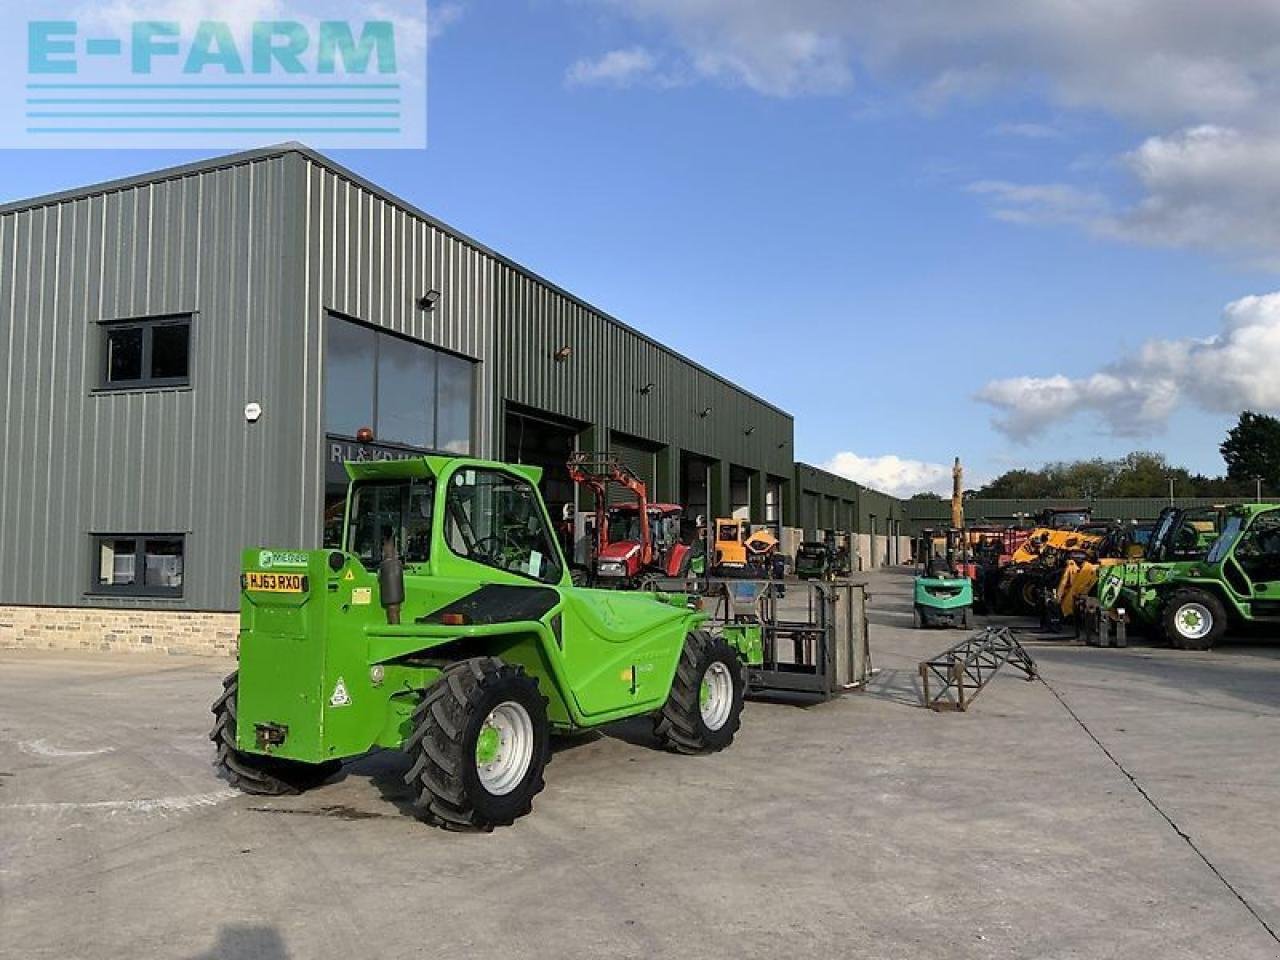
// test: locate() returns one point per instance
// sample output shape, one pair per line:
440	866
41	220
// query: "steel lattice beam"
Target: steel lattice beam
961	672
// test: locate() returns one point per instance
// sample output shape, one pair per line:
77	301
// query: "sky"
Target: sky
1006	231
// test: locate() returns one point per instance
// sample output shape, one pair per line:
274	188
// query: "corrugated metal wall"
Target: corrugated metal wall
369	258
151	461
608	365
260	246
641	460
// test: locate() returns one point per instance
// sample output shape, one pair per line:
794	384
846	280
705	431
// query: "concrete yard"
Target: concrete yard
865	827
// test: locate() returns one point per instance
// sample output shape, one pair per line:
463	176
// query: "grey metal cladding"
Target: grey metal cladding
370	258
609	364
154	461
257	246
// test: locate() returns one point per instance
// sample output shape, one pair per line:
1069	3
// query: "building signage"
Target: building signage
340	451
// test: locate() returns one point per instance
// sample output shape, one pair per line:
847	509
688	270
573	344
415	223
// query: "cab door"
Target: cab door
1257	556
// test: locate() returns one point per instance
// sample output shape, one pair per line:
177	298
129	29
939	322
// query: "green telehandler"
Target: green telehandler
447	626
1194	585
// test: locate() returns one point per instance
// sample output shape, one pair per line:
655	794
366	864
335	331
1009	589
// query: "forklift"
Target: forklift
943	594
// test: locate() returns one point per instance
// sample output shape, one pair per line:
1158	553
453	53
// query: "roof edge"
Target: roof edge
274	151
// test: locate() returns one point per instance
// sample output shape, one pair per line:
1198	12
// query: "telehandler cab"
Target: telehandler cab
446	626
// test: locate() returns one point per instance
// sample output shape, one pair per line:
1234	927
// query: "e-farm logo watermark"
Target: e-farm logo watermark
216	73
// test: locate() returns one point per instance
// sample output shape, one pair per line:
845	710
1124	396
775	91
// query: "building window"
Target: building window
408	394
139	565
153	352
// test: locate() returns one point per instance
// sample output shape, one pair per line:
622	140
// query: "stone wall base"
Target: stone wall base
119	631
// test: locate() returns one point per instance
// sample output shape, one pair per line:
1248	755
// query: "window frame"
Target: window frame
436	352
139	588
349	530
148	326
548	528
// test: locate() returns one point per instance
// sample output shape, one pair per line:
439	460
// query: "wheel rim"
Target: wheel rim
715	697
1194	621
504	748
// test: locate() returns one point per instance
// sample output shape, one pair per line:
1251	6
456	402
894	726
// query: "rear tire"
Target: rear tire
250	772
1193	620
704	708
965	619
917	618
480	744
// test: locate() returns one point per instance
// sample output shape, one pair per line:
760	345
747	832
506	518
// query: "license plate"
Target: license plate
275	582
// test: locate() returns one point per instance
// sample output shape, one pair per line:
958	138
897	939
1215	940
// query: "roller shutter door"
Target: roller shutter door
809	513
640	460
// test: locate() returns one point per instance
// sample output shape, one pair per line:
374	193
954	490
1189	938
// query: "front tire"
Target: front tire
1194	620
250	772
704	708
480	743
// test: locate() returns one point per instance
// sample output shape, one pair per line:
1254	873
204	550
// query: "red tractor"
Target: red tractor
637	540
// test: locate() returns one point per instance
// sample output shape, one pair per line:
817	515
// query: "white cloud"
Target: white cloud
1169	60
1044	202
1230	371
617	67
892	474
441	16
1214	188
1027	131
1208	186
1206	71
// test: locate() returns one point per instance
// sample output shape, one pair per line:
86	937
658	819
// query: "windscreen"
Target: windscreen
1222	546
495	518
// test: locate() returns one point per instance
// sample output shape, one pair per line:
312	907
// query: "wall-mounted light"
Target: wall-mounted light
563	354
749	431
364	435
646	389
427	302
706	412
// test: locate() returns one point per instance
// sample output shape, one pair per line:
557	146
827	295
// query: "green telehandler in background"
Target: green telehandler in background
447	626
1206	570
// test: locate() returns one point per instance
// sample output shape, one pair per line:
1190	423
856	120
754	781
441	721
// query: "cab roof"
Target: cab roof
432	466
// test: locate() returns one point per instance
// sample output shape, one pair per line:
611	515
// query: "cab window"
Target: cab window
495	518
1258	552
391	519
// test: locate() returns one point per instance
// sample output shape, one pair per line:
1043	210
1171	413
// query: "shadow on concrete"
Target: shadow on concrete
564	742
637	731
900	686
246	942
385	770
1194	678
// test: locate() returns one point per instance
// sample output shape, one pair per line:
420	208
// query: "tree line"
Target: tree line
1250	450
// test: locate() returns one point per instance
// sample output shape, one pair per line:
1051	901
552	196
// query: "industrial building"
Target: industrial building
192	354
924	513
